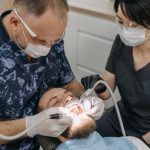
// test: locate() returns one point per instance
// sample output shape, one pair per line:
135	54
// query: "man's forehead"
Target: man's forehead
47	26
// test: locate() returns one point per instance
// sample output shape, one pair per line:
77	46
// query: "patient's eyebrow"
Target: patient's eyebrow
57	96
53	98
66	91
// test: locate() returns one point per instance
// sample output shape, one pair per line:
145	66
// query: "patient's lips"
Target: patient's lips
76	108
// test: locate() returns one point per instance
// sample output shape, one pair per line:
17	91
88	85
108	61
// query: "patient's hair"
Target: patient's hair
38	7
80	130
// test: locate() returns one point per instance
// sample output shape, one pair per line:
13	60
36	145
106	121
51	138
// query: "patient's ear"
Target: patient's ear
61	138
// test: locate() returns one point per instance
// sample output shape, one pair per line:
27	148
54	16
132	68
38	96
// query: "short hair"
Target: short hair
38	7
80	130
136	10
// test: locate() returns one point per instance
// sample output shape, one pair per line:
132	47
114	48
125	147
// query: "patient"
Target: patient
81	135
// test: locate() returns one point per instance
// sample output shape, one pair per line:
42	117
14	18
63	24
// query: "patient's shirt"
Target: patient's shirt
96	142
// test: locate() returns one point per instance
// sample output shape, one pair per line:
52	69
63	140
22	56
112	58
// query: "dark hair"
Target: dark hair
136	10
38	7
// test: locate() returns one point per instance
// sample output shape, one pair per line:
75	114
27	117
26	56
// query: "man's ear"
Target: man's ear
15	23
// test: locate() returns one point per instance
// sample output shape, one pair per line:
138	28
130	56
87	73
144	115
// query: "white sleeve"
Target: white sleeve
138	143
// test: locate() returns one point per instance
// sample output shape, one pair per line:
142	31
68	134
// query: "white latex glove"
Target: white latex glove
48	127
96	109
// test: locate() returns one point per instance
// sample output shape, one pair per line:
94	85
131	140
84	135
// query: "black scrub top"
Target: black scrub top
133	85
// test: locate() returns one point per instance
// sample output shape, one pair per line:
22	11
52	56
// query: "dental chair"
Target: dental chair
48	143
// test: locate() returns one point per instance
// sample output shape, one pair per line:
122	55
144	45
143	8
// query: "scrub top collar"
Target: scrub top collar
4	35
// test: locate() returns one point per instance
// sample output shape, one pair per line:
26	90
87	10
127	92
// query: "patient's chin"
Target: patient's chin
82	126
78	120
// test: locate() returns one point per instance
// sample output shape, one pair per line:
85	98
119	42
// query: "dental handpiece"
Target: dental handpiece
55	116
23	133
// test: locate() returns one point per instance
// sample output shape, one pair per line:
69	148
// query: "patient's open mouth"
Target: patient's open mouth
76	109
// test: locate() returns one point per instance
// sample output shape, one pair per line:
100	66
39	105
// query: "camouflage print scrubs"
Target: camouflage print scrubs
22	81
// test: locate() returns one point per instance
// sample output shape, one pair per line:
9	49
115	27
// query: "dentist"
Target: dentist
32	60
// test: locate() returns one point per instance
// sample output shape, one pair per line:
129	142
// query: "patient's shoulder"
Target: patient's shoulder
62	147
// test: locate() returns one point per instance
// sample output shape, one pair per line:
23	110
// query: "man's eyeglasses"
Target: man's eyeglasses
33	35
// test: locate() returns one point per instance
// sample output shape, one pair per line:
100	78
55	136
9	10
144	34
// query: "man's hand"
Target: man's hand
89	82
55	97
75	87
48	127
97	108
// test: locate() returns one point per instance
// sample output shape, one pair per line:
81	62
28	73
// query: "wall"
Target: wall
88	41
5	5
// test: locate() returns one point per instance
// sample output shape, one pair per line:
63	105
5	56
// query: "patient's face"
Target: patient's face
82	124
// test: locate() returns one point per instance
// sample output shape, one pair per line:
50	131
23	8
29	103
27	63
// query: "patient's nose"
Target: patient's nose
67	99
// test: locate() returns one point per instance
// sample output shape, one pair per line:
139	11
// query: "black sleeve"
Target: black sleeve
66	75
110	66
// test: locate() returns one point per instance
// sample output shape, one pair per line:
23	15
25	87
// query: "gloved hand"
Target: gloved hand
48	127
97	106
89	81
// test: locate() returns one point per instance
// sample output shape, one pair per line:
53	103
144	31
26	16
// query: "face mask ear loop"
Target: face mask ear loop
24	33
147	37
16	40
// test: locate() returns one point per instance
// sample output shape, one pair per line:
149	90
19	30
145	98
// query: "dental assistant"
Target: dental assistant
128	68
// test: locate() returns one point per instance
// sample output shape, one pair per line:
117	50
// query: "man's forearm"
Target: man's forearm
76	88
10	128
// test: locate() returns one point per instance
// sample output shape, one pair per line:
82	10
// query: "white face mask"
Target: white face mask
35	51
132	36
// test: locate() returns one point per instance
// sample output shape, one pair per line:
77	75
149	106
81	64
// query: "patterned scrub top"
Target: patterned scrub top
23	81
